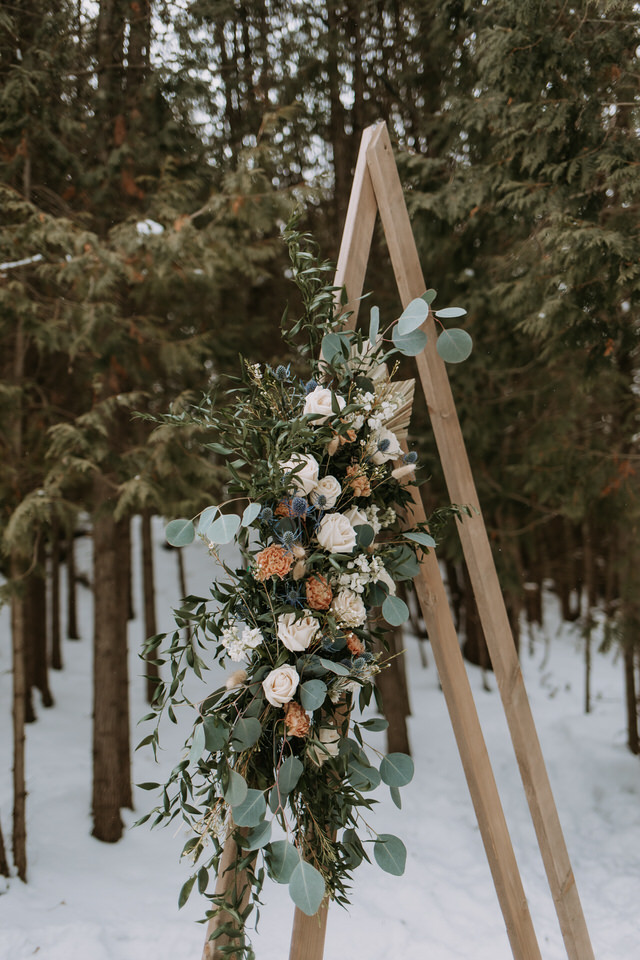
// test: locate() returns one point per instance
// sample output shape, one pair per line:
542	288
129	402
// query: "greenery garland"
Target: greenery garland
277	761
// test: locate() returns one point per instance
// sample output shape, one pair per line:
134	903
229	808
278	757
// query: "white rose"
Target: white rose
356	516
393	450
306	478
348	609
280	685
336	534
320	401
329	488
330	740
298	634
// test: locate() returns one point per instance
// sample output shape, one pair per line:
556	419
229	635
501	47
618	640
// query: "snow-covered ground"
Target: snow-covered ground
91	901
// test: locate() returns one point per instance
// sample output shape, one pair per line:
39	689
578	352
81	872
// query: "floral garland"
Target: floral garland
277	761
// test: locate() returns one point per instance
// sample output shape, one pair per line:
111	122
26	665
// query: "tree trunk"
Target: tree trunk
36	629
109	696
72	606
589	589
4	863
633	740
56	636
19	710
123	546
149	595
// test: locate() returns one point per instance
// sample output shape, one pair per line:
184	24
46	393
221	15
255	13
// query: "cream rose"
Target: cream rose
320	401
356	516
298	634
389	441
330	740
306	478
336	534
349	609
280	685
330	489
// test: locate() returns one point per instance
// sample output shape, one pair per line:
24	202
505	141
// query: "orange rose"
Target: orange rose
319	592
358	481
296	720
273	561
354	644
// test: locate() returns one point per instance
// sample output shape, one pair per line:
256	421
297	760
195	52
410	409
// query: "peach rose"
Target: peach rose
296	720
355	645
319	592
358	481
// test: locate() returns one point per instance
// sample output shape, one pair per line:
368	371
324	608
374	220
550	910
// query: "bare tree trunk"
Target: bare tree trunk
182	579
19	711
590	602
123	547
56	639
149	594
72	606
4	863
633	740
108	695
36	628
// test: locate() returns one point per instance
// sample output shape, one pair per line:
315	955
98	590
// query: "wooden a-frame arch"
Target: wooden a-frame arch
377	189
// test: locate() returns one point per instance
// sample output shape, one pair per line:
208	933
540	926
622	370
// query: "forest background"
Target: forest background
150	154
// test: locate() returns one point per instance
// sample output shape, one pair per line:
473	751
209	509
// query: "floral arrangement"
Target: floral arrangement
278	759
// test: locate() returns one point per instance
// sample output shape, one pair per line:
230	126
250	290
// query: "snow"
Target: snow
86	900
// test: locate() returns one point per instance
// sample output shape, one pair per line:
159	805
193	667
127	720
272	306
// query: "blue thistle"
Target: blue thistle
384	445
299	507
411	457
282	373
320	501
266	514
310	386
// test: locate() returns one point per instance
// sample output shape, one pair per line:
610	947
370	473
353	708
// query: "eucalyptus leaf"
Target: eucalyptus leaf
180	533
397	769
236	791
411	345
259	836
377	592
312	694
246	732
207	517
289	774
422	538
338	668
282	859
395	796
448	313
251	811
216	734
395	611
364	534
390	853
374	325
454	345
307	888
375	724
197	744
413	316
224	529
429	296
250	514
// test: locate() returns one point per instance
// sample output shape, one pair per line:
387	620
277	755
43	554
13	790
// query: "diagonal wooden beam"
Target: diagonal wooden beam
477	551
309	932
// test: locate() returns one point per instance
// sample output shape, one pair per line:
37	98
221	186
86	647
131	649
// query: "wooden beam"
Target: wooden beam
477	551
309	932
